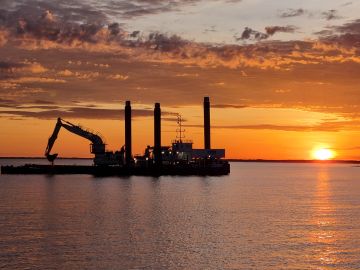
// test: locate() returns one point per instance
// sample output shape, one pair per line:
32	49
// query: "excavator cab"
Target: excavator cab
97	148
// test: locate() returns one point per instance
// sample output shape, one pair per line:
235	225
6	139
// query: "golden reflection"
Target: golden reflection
324	221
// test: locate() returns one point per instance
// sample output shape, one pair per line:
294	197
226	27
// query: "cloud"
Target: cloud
33	22
52	112
187	75
331	14
282	91
271	30
88	75
119	77
94	12
66	73
169	67
32	33
292	12
27	67
43	102
36	80
91	75
7	103
138	8
331	126
17	91
162	42
352	27
148	80
333	48
36	68
211	29
229	106
50	12
347	34
4	35
251	34
174	70
9	66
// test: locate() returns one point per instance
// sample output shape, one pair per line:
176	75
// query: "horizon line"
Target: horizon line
354	161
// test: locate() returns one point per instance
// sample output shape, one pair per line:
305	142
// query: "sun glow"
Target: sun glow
323	154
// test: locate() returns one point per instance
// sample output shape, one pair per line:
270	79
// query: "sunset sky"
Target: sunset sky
283	76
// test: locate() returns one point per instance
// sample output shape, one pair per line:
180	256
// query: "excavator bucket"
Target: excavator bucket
51	157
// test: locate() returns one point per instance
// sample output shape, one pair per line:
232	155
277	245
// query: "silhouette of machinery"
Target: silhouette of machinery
97	146
180	152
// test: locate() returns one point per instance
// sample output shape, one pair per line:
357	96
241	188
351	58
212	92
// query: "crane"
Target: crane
97	146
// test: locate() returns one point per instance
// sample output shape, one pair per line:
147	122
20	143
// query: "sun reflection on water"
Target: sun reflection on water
324	234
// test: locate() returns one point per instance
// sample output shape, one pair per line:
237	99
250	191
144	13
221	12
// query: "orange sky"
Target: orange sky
29	137
281	84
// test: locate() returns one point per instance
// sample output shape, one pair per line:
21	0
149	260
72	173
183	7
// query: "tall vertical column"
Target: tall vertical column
207	123
128	153
157	135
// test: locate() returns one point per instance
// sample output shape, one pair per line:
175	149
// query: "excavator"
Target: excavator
97	145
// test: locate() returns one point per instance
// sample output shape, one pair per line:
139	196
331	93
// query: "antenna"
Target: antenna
180	131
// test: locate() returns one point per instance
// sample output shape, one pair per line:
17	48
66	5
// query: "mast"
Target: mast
180	131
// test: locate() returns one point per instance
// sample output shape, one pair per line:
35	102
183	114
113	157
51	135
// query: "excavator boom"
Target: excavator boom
97	144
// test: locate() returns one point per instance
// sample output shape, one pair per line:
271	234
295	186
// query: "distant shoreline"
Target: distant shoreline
43	158
232	160
295	161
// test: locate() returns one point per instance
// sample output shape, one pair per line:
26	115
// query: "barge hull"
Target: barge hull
114	171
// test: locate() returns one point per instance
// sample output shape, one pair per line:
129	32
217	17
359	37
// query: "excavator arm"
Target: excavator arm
97	144
52	140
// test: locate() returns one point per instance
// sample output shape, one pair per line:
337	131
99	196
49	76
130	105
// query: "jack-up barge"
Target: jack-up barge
178	159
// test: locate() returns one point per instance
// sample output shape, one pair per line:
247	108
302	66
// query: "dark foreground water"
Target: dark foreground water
262	216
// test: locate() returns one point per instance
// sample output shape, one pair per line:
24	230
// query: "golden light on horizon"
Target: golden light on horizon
323	154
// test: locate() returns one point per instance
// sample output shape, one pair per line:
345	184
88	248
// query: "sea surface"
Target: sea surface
261	216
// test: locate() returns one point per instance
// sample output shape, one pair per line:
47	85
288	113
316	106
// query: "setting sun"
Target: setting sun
323	154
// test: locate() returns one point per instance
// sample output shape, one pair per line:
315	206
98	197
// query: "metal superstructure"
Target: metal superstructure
180	155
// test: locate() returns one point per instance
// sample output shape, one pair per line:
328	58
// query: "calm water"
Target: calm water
262	216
